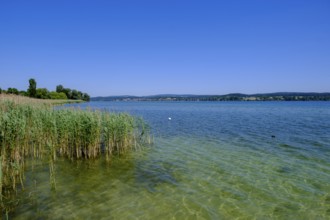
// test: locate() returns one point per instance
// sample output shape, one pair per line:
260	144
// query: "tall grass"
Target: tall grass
27	100
36	130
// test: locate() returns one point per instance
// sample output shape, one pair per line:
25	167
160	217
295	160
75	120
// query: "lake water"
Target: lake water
212	160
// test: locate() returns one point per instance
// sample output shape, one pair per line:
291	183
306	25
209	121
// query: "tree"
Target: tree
57	95
42	93
68	93
12	91
0	90
80	95
23	93
59	88
75	94
85	97
32	90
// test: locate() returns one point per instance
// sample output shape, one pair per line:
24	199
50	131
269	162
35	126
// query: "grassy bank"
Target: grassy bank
31	128
26	100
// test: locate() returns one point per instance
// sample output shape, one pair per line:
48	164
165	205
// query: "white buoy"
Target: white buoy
169	118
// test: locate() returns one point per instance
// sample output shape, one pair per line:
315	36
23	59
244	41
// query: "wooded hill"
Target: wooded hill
279	96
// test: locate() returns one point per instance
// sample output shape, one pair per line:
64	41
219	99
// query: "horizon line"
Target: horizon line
187	94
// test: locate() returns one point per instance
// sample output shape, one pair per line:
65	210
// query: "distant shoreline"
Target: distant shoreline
280	96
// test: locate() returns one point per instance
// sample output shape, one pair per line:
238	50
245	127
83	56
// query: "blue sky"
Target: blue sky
146	47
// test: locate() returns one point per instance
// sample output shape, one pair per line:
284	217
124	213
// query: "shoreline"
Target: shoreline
18	99
281	96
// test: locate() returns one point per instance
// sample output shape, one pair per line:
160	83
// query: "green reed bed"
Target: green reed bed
39	131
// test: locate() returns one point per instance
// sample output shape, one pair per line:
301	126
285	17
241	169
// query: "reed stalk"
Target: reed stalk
37	130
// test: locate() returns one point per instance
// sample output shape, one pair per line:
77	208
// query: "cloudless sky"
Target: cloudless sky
147	47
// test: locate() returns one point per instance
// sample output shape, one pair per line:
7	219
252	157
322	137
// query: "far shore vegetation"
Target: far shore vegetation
43	93
32	129
278	96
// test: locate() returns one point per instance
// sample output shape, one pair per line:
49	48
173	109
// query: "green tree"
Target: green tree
12	91
86	97
0	90
32	90
75	94
68	93
62	95
80	95
42	93
57	95
23	93
59	88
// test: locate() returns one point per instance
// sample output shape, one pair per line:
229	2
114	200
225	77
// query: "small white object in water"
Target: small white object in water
169	118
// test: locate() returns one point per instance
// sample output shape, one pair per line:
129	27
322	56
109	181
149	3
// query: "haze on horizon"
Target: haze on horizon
166	47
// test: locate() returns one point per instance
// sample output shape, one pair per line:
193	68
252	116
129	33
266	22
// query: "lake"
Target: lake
212	160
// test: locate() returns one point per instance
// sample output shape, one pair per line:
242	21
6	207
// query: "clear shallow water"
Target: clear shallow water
213	160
